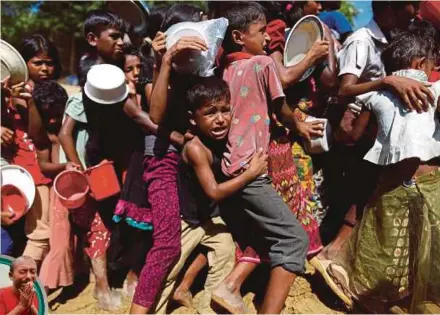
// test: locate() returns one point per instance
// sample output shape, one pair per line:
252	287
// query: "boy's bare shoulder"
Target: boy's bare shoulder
194	151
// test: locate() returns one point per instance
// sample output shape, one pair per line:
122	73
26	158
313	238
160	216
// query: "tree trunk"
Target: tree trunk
72	62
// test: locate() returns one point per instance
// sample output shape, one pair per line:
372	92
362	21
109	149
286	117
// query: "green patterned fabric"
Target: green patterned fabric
395	250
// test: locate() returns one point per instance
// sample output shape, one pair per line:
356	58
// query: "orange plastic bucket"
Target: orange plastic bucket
72	188
102	180
14	201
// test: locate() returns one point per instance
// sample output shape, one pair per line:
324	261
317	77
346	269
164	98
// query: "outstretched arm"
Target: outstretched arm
416	95
285	115
143	120
67	141
291	75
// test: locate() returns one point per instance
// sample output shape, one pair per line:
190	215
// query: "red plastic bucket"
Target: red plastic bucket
72	188
102	180
13	201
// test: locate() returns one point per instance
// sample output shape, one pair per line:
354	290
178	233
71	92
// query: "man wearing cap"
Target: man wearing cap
20	298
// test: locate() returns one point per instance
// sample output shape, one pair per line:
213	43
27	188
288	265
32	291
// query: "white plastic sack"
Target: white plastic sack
318	145
201	63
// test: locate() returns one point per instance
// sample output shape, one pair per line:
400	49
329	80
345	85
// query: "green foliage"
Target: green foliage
201	3
349	10
22	18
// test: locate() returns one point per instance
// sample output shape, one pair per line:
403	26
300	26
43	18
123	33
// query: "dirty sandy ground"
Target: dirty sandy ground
308	295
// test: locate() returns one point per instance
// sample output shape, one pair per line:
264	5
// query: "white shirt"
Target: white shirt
361	54
403	134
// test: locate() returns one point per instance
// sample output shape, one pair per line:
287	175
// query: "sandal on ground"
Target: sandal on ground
322	266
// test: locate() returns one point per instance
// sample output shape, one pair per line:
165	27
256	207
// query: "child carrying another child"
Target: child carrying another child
394	251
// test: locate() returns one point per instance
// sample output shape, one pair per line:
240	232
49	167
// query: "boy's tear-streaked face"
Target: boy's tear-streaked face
255	39
214	119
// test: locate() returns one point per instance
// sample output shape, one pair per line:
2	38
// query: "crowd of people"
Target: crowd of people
215	171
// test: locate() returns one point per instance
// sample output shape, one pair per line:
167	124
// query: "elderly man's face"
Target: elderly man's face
24	272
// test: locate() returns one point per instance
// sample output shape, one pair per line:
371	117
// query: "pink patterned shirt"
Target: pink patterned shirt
254	85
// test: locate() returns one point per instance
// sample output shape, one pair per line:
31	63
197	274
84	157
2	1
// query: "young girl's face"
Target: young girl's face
41	67
132	68
213	119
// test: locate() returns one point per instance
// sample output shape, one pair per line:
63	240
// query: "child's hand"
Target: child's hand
319	50
159	43
307	130
188	136
413	93
258	165
7	136
71	166
22	91
185	43
131	88
5	85
7	218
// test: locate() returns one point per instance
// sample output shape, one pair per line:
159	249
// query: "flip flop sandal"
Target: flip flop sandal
334	268
321	265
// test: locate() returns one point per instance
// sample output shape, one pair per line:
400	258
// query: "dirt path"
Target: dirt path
302	299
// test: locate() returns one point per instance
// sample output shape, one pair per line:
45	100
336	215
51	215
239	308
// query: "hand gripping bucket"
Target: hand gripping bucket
17	190
102	180
14	201
71	187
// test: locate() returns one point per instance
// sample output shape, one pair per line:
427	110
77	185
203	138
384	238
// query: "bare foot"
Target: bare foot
183	298
108	300
129	288
231	300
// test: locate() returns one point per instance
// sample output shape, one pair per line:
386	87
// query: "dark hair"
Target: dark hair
50	99
35	44
405	48
379	6
181	13
424	28
295	13
331	5
85	64
98	21
145	74
217	9
240	16
131	50
155	19
274	10
206	90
